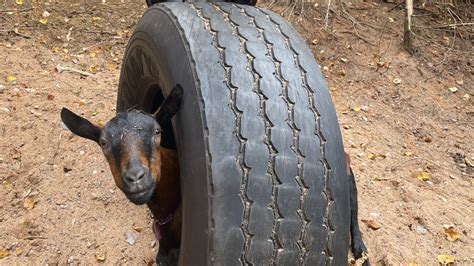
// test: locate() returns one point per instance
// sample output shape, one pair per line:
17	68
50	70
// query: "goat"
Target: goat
143	169
357	245
148	171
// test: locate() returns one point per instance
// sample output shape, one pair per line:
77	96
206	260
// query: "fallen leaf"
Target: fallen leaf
360	261
92	54
18	251
29	203
19	2
453	89
445	259
408	153
423	176
10	78
451	233
43	21
137	228
356	108
371	156
4	253
466	97
100	123
100	255
372	224
111	67
93	69
397	81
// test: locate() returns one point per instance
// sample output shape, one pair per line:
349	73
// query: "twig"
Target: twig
35	237
326	18
73	70
357	35
17	10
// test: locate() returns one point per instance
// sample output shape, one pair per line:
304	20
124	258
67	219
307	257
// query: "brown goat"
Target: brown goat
142	168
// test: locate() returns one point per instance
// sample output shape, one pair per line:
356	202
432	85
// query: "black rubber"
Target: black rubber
263	168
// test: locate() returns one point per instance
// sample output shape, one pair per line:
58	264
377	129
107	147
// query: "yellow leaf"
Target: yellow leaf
371	156
453	89
92	54
412	264
93	69
445	259
451	233
4	253
111	67
423	176
100	255
137	228
397	81
408	153
29	203
19	2
43	21
356	108
466	97
18	251
100	123
10	78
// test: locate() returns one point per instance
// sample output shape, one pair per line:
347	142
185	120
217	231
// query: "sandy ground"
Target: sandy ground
58	201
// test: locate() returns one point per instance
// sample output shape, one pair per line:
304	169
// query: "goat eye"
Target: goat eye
158	131
102	143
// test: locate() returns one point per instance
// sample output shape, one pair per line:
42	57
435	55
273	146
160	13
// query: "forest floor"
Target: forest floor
407	121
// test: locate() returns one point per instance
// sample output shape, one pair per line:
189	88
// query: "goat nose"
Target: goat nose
135	174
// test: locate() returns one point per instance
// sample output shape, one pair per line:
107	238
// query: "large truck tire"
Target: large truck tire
262	163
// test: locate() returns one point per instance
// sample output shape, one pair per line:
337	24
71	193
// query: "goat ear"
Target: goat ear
170	105
80	126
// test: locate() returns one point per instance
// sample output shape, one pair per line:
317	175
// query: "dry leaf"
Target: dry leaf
4	253
371	156
43	21
360	261
93	69
100	255
29	203
111	67
423	176
408	153
466	97
445	259
397	81
372	224
356	108
451	233
19	2
453	89
92	54
137	228
10	78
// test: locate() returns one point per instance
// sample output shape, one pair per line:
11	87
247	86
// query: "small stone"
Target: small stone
81	152
421	230
374	215
452	176
130	237
2	88
364	108
4	110
94	172
46	14
429	182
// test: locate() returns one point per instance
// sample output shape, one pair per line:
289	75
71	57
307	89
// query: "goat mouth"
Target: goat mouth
141	196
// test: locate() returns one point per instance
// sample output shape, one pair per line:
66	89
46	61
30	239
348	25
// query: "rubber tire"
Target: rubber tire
261	154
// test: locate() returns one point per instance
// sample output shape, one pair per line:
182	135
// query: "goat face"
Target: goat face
131	144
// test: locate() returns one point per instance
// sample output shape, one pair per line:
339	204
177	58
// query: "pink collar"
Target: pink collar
158	223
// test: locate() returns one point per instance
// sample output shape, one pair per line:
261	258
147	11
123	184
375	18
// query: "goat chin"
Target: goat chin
142	197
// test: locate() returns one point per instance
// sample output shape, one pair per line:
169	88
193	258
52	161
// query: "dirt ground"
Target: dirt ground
404	118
